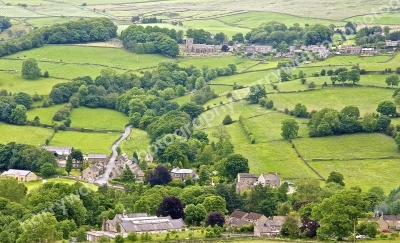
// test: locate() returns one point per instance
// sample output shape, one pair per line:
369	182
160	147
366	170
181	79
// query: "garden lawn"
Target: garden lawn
363	173
346	147
99	119
138	140
45	114
93	143
15	83
109	57
36	184
215	62
365	98
24	134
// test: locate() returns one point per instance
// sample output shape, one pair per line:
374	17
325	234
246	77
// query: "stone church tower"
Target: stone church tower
189	44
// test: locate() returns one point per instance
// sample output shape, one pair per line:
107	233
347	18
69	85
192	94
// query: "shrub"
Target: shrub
362	71
303	80
286	110
270	104
311	85
227	120
45	74
263	102
249	134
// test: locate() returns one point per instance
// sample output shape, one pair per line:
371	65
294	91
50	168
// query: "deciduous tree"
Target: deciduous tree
171	206
30	69
290	128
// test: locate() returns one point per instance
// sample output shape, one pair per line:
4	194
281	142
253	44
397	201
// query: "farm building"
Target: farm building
390	43
246	181
97	158
21	175
346	49
59	151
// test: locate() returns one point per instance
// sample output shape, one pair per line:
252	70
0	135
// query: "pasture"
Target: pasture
99	143
363	173
104	57
24	134
46	21
45	114
276	156
347	147
215	62
255	19
32	185
13	82
214	26
138	140
369	63
99	119
366	99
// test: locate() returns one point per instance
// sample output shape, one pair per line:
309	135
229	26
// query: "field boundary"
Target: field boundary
305	161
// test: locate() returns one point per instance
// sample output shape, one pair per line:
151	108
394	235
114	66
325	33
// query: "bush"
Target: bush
303	80
263	102
45	74
286	110
270	104
227	120
311	85
362	71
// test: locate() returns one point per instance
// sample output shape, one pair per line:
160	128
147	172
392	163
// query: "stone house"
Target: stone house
388	222
272	180
266	227
259	49
369	51
198	48
102	158
246	181
239	218
120	165
183	173
346	49
91	173
21	175
94	236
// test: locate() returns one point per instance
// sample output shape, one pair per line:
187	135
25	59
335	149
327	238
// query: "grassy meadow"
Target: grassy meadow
32	185
24	134
366	99
138	140
215	26
99	119
45	114
99	143
214	62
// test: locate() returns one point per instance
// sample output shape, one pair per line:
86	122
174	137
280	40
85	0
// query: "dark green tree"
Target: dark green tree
256	93
290	227
387	108
392	80
335	177
127	175
234	164
227	120
30	69
290	128
68	165
23	99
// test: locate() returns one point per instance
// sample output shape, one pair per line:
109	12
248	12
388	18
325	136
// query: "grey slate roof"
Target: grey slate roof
19	172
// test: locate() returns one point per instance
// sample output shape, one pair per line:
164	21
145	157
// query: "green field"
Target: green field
345	147
276	156
108	57
13	82
24	134
39	22
138	140
99	119
214	62
36	184
45	114
215	26
87	142
366	99
363	173
387	18
370	63
255	19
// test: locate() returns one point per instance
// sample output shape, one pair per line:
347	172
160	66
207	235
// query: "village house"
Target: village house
137	222
120	165
59	151
259	49
387	222
239	218
390	43
91	173
346	49
266	227
368	51
183	173
102	158
246	181
198	48
21	175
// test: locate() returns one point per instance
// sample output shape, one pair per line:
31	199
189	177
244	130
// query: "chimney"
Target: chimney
103	227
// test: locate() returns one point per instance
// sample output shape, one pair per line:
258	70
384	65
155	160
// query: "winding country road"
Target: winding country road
104	180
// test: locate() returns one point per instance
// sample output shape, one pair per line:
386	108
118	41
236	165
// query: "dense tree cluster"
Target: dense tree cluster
201	36
80	31
14	111
5	23
280	36
152	40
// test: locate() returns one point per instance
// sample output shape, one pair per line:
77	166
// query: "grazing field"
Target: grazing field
24	134
370	63
214	62
87	142
138	140
277	156
268	127
345	147
36	184
99	119
255	19
363	173
40	22
248	79
215	26
45	114
366	99
15	83
67	10
386	18
109	57
17	12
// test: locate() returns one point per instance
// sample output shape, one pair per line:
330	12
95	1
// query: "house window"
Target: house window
89	172
177	175
22	178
